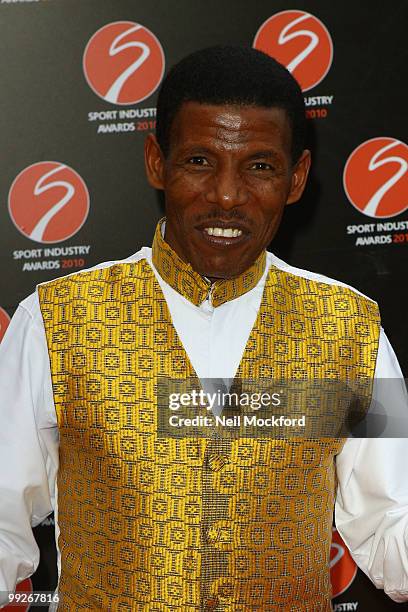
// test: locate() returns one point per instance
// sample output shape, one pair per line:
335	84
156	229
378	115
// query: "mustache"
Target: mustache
220	215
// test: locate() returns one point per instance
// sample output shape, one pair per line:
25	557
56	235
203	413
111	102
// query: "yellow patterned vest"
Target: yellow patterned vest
189	524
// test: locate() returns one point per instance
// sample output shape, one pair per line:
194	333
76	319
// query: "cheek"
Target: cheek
269	209
268	220
269	195
182	193
274	195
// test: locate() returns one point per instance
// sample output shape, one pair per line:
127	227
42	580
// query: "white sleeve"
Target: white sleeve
371	510
28	443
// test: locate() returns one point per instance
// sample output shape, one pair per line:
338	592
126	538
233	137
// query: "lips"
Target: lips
222	236
223	225
228	232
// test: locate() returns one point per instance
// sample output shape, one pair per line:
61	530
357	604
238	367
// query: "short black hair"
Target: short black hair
236	75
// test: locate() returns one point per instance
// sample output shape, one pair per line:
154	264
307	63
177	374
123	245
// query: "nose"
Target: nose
227	188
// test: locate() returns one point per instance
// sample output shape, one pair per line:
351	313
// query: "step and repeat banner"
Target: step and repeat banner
79	85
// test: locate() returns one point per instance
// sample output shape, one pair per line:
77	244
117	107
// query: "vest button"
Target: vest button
212	603
216	462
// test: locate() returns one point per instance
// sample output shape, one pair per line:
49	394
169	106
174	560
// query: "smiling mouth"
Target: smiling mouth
222	236
228	232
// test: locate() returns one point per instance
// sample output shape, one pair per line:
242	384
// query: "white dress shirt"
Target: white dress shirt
372	500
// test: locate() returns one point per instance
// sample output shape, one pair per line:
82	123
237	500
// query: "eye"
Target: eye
198	160
261	166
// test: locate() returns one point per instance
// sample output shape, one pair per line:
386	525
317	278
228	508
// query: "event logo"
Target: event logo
343	570
299	41
123	62
375	177
48	202
4	322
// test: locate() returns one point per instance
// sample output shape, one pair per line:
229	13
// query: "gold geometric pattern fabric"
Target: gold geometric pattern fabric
159	524
186	281
313	330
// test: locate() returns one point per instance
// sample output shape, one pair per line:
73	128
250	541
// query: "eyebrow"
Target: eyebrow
196	150
266	154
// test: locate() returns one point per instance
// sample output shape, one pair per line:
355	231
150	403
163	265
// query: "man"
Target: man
153	523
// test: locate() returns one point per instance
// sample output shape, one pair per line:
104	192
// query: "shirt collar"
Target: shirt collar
186	281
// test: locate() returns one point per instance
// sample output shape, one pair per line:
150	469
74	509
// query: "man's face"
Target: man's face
226	179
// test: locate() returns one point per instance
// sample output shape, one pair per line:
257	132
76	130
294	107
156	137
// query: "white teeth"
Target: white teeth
225	233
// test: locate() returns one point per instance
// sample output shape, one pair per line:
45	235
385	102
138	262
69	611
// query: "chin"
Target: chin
220	268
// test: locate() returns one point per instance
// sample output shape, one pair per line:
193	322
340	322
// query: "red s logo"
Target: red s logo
123	62
375	177
299	41
4	322
48	202
343	569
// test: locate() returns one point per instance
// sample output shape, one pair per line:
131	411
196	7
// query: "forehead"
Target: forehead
230	127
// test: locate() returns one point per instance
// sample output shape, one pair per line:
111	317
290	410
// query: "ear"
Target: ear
299	177
154	162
